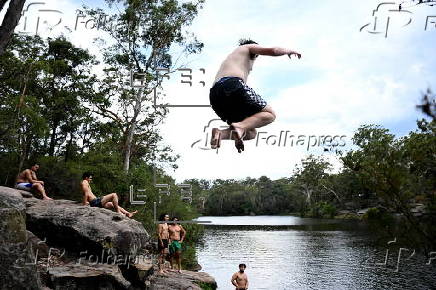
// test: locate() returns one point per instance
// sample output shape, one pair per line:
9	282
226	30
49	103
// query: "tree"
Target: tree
309	175
67	81
395	169
142	38
10	21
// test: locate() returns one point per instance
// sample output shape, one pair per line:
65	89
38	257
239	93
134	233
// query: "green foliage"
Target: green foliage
397	170
322	210
206	286
380	221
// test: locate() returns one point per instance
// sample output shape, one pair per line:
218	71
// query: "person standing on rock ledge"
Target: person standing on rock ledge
108	201
27	180
240	279
177	235
163	238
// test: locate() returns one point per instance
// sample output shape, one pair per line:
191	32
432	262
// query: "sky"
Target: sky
354	70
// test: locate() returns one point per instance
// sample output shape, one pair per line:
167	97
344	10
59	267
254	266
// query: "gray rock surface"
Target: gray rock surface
16	268
87	277
187	280
81	229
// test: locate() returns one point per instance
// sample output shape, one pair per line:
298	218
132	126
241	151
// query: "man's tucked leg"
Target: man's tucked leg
113	197
40	189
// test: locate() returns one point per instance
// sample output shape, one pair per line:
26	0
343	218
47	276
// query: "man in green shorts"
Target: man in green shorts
177	235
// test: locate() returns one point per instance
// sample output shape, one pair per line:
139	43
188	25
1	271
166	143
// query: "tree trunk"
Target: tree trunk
131	132
68	151
25	152
52	140
2	3
10	21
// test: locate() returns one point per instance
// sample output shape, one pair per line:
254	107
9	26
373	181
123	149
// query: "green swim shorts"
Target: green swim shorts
175	246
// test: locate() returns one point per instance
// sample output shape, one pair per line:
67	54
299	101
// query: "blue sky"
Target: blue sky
345	77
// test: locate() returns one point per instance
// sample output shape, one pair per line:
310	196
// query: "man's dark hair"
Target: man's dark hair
86	175
162	217
244	41
242	265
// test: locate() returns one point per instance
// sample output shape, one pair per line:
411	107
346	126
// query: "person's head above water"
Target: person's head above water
244	41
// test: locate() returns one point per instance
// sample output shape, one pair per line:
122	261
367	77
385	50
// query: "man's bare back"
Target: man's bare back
87	192
27	176
240	62
237	64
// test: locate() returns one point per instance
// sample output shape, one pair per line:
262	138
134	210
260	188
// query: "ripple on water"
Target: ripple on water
297	259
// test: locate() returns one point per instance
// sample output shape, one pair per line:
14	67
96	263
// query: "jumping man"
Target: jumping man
235	102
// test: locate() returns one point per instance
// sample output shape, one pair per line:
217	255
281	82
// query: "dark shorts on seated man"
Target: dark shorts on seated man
233	101
96	202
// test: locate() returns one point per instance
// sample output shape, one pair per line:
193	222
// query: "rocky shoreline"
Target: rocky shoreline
61	244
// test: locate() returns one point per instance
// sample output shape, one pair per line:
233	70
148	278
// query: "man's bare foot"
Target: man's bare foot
130	214
239	135
47	198
215	141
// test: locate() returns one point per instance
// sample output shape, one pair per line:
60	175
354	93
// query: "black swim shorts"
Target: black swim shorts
96	202
165	244
233	101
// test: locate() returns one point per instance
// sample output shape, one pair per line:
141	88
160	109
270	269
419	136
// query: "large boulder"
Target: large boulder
17	270
87	277
70	246
85	230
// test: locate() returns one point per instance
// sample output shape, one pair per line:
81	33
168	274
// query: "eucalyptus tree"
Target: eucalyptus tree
141	36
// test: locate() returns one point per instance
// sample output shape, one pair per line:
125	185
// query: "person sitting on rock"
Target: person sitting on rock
27	180
108	201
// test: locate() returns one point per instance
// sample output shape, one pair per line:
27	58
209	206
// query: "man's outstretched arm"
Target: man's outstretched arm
272	51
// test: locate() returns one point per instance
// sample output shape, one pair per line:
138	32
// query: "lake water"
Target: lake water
286	252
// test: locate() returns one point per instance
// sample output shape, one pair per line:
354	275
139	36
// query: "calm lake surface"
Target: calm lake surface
286	252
